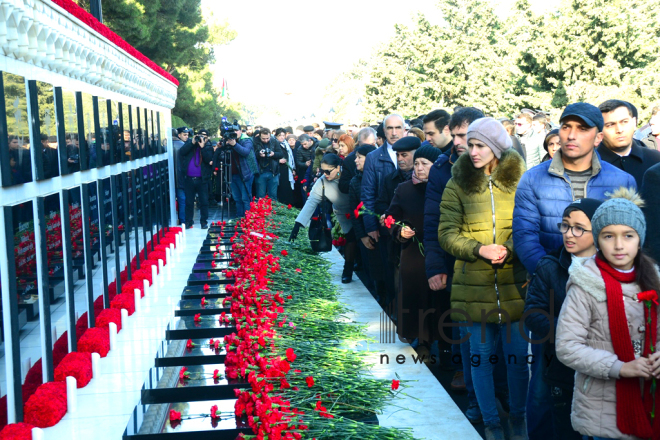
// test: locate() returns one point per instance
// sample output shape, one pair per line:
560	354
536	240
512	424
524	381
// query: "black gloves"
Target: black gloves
294	232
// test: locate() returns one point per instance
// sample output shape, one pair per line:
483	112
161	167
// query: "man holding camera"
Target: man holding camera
182	135
243	169
268	152
196	159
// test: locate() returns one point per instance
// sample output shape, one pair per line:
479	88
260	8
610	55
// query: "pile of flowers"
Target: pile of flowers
45	403
291	338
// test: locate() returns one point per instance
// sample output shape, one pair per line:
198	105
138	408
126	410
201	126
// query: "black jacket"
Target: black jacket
179	174
302	155
651	194
348	170
268	163
187	153
547	292
390	183
354	189
636	163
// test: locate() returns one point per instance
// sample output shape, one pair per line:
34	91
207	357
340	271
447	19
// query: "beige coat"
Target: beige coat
584	344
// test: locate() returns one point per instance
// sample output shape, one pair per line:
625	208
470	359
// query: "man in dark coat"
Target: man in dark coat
268	152
439	264
196	157
389	250
618	146
651	194
366	136
179	175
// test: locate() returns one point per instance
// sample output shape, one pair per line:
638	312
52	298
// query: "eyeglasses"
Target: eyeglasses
519	124
577	231
334	141
327	172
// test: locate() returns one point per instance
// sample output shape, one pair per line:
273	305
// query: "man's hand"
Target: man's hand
282	161
271	154
638	368
382	220
211	163
438	282
231	142
308	163
261	153
374	235
366	241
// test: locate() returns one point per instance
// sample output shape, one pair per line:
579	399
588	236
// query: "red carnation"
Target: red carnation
348	216
184	374
288	206
216	375
190	344
198	317
215	412
174	415
207	287
299	270
284	252
47	405
290	355
203	301
208	274
357	210
648	295
310	381
395	384
389	221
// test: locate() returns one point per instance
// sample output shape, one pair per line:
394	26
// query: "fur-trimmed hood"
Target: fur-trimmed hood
587	275
506	175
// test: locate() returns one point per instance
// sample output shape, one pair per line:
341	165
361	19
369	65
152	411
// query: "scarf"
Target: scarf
416	180
406	175
633	412
290	163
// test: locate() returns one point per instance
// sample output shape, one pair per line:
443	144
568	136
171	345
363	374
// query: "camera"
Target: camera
229	131
75	158
266	151
198	140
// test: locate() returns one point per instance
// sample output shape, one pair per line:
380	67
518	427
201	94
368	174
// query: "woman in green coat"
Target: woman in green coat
487	289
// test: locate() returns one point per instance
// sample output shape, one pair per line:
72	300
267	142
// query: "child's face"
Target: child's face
582	246
619	244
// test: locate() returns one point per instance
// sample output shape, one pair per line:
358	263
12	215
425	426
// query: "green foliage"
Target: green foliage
587	50
175	35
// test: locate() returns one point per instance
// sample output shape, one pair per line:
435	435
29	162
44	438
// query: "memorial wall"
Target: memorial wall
86	177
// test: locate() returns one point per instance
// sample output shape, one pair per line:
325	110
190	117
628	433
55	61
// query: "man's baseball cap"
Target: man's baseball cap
589	114
203	131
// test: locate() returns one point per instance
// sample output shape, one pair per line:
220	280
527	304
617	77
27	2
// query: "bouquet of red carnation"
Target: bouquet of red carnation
131	285
124	301
60	349
146	265
107	316
47	405
17	431
81	326
143	274
158	255
161	247
95	340
76	364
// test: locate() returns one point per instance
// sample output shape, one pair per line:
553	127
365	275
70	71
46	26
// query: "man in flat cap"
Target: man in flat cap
179	177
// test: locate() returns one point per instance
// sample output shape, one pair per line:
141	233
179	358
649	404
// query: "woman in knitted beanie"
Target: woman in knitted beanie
608	328
487	289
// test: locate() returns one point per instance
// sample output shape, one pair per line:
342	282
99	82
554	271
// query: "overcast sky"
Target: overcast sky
290	50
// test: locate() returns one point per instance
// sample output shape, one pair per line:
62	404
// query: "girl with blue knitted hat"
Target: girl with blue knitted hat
608	328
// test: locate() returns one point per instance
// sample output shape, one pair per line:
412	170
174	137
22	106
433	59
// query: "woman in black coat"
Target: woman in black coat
287	167
415	298
368	251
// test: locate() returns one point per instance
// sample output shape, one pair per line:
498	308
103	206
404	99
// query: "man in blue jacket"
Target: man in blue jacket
243	168
575	172
378	165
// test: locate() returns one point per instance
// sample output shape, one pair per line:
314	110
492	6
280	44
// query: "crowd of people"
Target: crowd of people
529	237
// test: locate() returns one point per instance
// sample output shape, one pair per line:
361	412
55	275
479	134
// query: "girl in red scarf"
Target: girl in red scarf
608	328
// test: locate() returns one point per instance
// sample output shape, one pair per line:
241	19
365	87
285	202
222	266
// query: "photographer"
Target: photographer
179	141
196	158
268	152
243	168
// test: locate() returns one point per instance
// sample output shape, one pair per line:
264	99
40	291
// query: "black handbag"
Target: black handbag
320	236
